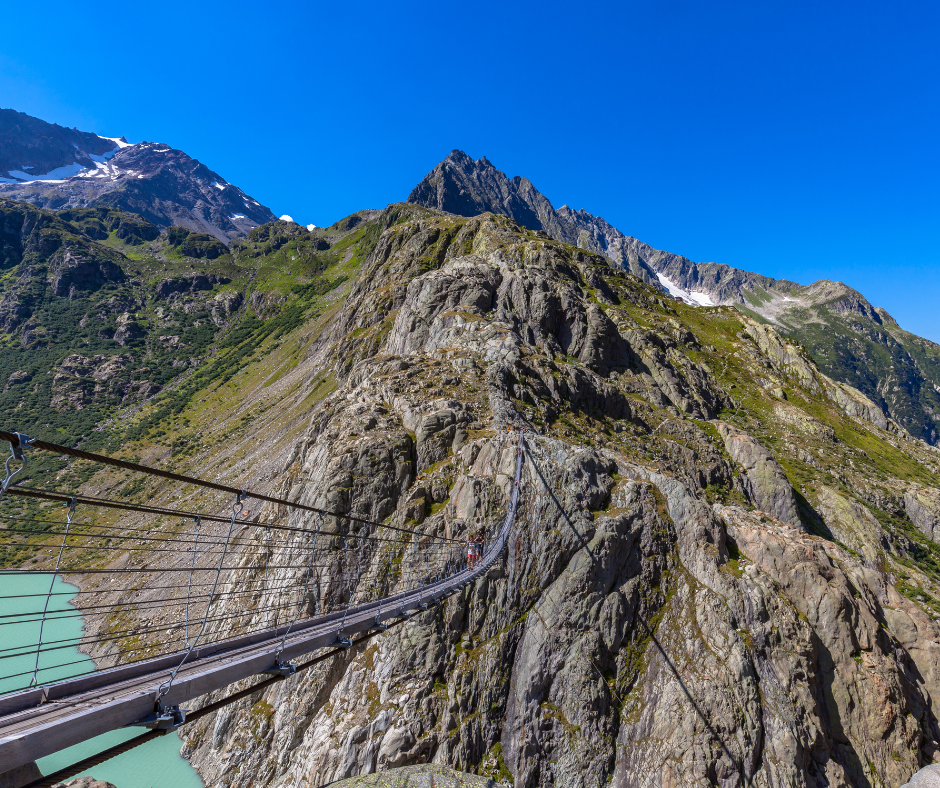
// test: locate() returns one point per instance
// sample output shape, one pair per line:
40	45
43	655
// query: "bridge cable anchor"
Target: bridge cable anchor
342	642
164	718
16	453
282	669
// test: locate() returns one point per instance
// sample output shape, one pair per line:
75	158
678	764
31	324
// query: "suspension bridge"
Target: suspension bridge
223	613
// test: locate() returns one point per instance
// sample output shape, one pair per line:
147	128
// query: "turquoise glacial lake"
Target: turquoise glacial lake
156	764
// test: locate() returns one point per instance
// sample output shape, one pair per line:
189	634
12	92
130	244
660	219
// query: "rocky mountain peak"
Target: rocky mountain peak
57	168
31	149
841	298
468	187
855	331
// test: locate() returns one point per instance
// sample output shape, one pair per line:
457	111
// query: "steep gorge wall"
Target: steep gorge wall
642	629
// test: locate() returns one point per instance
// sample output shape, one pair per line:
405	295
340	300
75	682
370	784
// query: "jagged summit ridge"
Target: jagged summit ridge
468	187
465	187
57	168
31	148
852	340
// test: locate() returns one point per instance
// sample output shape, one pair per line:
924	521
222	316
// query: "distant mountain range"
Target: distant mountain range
850	339
55	167
853	341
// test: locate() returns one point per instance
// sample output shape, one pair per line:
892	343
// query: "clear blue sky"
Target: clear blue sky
797	139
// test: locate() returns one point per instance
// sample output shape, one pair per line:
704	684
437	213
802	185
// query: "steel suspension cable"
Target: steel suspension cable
189	584
267	558
52	495
16	453
304	594
164	688
352	592
122	634
211	708
148	606
55	572
14	438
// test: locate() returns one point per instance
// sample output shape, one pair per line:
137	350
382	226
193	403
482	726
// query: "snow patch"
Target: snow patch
54	176
691	297
701	299
100	170
119	141
217	185
286	218
238	216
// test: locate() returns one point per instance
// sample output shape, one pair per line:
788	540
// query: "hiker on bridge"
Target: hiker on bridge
473	551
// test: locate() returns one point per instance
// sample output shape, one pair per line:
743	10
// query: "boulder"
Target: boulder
928	777
767	484
127	330
434	436
84	782
923	507
422	776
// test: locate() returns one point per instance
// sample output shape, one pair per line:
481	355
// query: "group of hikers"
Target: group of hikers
474	550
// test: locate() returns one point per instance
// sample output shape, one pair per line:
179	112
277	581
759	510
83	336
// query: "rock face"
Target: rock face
851	340
84	782
658	619
923	507
31	147
928	777
767	483
153	180
851	523
426	776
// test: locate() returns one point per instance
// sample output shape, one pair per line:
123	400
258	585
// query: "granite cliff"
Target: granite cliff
725	568
723	573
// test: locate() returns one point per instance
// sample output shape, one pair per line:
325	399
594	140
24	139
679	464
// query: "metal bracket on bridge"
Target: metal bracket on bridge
380	625
282	669
342	642
163	719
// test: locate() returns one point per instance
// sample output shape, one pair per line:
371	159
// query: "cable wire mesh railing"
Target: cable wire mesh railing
239	577
258	589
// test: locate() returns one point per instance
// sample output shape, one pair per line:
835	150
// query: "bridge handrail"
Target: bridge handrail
16	751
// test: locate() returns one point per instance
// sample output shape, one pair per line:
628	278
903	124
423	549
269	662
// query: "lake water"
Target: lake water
156	764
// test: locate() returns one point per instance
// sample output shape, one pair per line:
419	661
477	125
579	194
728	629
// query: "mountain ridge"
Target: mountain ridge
852	340
43	164
703	513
